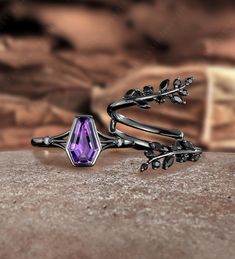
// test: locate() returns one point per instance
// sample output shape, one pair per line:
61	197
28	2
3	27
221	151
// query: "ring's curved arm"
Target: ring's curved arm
136	97
138	143
182	150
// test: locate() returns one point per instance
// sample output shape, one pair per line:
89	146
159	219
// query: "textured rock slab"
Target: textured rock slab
49	209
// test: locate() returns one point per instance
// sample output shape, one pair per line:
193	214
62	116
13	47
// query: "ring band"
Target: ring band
83	143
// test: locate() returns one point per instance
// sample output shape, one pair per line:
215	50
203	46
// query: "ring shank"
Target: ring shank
120	118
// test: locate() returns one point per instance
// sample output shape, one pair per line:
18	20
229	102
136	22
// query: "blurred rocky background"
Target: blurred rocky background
60	58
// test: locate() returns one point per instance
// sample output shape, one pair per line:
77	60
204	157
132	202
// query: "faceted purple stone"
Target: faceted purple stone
83	145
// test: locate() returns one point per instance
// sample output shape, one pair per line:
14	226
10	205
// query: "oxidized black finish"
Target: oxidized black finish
158	155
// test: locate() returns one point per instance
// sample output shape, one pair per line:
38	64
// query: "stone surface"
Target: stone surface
49	209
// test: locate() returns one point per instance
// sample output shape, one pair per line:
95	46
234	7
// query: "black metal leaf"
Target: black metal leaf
196	157
148	90
143	167
177	99
168	162
177	83
183	92
155	146
178	145
164	149
132	93
142	104
156	164
189	80
186	144
149	153
164	85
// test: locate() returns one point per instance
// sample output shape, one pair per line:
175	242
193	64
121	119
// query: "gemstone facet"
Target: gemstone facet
83	145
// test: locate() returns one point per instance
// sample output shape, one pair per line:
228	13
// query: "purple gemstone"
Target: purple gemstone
83	146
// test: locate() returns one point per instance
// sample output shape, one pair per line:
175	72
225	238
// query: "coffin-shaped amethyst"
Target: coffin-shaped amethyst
83	145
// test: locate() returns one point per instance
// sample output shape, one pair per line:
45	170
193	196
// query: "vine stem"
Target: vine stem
173	153
159	94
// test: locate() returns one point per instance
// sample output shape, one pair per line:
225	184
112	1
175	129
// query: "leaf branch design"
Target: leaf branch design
161	155
142	98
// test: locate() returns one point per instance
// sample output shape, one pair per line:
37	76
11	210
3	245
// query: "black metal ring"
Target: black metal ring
180	151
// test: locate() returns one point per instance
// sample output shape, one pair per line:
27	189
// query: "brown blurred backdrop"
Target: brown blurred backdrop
60	58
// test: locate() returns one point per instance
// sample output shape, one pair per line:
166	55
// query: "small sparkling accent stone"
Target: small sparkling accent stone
132	93
119	142
156	164
168	162
177	83
47	141
84	145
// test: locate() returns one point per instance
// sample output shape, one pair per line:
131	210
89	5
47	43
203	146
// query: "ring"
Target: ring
83	143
